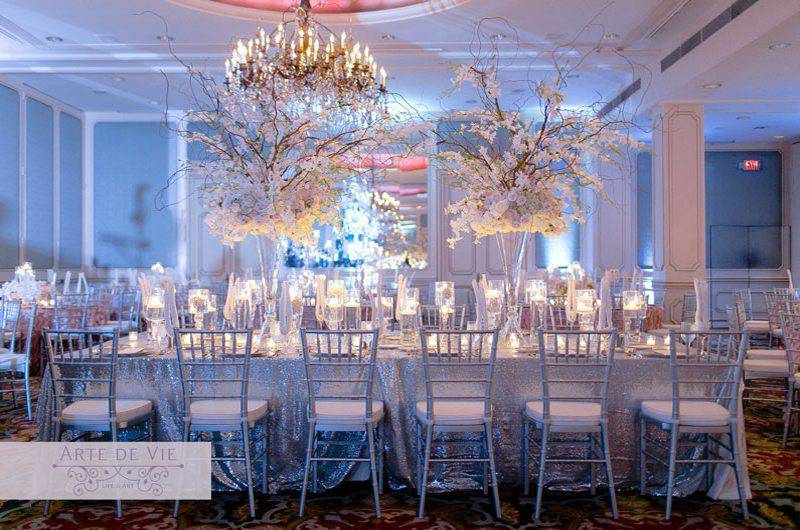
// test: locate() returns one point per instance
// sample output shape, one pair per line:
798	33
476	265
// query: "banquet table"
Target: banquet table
399	383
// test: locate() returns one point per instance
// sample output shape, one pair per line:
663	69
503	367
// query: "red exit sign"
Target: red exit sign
750	165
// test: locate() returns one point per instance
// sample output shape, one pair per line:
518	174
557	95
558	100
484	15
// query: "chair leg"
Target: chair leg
483	466
737	467
315	467
419	458
380	449
542	460
114	440
787	414
709	439
425	464
592	467
609	472
186	432
642	456
28	393
309	449
248	470
373	470
524	445
265	460
673	454
152	427
487	428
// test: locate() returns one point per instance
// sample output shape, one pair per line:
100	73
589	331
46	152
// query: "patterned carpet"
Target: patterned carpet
775	476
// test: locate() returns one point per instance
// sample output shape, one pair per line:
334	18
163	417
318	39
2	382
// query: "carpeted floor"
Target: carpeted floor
775	476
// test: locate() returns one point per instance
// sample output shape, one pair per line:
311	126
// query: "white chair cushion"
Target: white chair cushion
566	412
452	412
95	411
12	361
758	353
225	411
758	326
767	366
692	413
346	411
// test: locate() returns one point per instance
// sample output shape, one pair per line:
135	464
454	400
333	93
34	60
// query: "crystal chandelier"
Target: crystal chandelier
305	63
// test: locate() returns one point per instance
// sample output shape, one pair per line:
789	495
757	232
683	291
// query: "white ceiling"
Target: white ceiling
104	41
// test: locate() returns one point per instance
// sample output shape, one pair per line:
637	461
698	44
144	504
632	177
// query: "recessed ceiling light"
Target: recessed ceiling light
712	86
518	91
165	38
573	76
154	102
99	92
388	36
53	38
742	117
778	136
471	101
611	36
117	78
760	127
780	45
498	36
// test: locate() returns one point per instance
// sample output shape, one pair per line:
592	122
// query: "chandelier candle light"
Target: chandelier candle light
302	57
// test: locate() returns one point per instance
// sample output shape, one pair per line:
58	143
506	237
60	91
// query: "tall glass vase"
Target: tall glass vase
512	247
269	270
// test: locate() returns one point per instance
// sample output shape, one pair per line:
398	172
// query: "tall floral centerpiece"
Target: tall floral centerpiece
520	172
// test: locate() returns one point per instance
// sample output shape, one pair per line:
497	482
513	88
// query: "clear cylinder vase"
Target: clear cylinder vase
512	247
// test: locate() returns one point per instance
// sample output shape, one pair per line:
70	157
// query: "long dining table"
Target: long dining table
399	382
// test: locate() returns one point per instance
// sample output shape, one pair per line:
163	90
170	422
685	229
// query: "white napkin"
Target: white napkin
480	304
143	285
377	312
605	320
285	309
52	276
791	283
227	310
319	306
401	296
171	320
83	285
131	277
570	291
67	281
701	313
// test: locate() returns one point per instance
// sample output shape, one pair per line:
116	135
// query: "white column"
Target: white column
679	212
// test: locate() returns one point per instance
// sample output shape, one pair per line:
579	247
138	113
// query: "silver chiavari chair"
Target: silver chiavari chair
575	368
777	301
706	374
558	315
431	317
791	333
215	382
10	315
340	371
83	370
744	301
126	304
15	366
458	368
70	311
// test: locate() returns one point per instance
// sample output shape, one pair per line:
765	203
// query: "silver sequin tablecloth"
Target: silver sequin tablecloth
399	382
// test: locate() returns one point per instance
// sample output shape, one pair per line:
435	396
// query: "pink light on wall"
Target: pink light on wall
323	6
